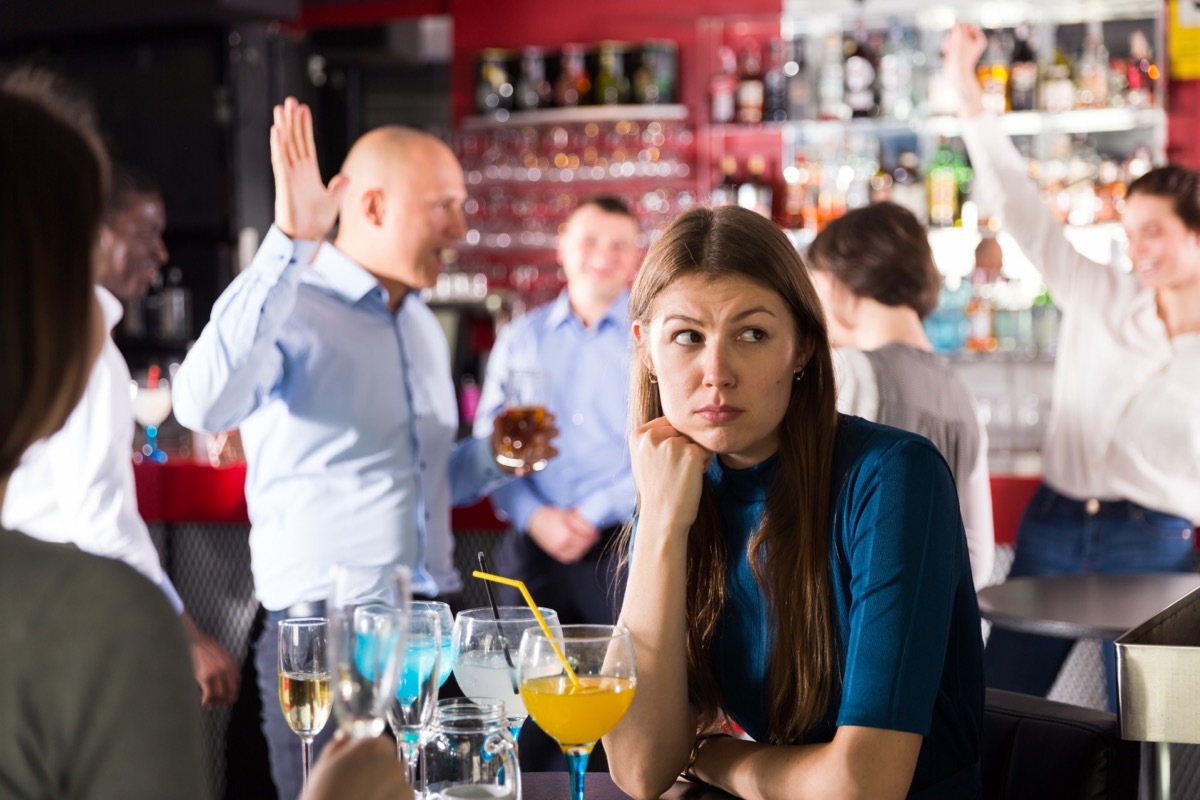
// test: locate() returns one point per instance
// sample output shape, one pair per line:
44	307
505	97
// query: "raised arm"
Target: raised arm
651	745
236	361
1002	177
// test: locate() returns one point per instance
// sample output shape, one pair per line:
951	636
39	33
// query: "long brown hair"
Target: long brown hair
1176	183
789	553
55	181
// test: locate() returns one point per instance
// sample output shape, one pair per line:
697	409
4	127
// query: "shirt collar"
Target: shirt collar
110	307
561	311
344	276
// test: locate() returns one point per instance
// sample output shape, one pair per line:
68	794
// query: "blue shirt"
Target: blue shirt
905	610
588	371
348	419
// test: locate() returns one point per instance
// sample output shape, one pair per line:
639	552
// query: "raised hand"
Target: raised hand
668	469
305	208
961	50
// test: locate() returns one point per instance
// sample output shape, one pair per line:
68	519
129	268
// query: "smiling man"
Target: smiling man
562	516
338	376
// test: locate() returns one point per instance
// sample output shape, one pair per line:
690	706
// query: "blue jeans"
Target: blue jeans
1058	537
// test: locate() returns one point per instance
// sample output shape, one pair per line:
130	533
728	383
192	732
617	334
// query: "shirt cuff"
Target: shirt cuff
597	509
173	597
286	251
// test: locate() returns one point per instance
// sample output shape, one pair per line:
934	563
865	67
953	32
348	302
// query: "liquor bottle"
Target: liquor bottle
831	83
775	84
723	87
797	195
755	193
1093	70
993	76
1110	191
750	88
574	84
896	75
942	188
533	90
859	73
1141	73
612	79
1045	323
799	86
494	87
1023	74
981	336
908	189
725	193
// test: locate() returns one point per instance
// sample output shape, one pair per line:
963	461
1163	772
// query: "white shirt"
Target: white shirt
858	394
348	417
1125	414
77	486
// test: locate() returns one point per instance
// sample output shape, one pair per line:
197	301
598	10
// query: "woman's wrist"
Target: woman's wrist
702	741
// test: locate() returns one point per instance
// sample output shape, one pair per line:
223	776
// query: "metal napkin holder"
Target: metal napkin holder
1158	675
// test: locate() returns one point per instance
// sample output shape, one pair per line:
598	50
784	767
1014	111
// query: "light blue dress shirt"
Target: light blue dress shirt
348	418
588	371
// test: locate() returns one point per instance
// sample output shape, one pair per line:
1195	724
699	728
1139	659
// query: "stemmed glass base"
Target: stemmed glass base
306	757
577	761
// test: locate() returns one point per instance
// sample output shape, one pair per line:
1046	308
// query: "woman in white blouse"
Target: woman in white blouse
1121	459
874	271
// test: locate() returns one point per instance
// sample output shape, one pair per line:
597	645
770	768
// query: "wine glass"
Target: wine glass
577	706
368	626
411	711
449	654
487	655
151	396
304	692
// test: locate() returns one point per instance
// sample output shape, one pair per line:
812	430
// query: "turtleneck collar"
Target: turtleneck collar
747	485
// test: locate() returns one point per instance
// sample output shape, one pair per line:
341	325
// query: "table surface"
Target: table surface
599	786
1082	606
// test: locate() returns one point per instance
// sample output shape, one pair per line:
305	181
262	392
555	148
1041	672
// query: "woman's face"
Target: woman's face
1164	253
724	352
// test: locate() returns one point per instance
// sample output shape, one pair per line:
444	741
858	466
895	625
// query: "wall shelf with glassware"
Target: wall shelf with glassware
577	114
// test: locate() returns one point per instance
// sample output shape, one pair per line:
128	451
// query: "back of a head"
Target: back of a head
56	179
1178	185
880	251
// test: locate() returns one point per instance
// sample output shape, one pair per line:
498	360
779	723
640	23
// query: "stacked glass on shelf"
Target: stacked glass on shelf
608	73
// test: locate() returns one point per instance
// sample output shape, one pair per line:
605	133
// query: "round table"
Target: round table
1082	606
1090	607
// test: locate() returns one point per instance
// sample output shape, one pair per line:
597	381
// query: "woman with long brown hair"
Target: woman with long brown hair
797	572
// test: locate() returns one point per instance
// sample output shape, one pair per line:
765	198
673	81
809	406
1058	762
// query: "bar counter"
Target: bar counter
184	491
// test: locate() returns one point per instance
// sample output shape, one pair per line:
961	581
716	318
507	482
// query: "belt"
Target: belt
311	608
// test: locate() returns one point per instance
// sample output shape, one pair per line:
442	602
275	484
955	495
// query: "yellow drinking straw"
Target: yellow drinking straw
520	585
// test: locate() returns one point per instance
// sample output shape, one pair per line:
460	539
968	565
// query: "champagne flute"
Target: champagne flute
411	711
487	655
449	653
368	626
304	692
579	704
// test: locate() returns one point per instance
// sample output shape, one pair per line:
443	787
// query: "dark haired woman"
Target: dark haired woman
1121	459
874	272
800	573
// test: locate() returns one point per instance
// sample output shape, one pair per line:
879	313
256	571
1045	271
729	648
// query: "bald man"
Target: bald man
339	379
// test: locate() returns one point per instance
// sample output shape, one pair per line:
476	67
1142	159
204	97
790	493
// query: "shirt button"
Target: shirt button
577	418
